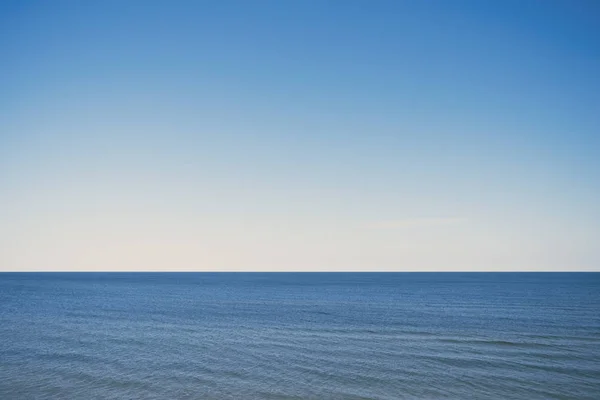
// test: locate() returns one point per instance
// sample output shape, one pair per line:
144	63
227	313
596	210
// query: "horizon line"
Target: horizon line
296	271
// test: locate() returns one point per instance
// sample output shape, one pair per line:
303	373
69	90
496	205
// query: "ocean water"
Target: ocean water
300	336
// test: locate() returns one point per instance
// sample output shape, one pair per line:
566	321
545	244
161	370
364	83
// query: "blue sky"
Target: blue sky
300	135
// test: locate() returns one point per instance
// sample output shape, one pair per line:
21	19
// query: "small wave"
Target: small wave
496	343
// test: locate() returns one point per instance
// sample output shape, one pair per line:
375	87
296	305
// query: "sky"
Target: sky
311	135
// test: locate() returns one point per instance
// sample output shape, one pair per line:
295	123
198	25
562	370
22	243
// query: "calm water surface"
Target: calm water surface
300	336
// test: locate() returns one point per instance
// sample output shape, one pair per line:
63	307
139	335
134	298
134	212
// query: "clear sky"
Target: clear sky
300	135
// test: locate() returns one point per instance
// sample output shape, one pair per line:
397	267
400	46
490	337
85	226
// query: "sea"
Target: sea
300	336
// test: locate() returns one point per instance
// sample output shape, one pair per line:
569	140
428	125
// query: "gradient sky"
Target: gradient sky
300	135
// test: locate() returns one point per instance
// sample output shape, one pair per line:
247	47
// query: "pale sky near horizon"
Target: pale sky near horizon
300	135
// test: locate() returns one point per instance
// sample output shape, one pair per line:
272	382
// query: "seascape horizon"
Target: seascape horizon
300	200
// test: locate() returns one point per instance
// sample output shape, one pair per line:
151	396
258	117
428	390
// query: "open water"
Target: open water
300	336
